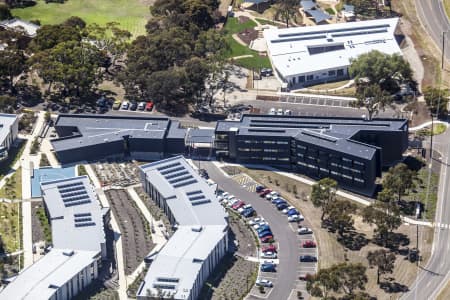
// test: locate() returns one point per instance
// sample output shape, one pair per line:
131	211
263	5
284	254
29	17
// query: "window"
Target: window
324	170
346	176
282	142
301	163
340	72
244	149
358	163
270	150
346	159
335	173
269	142
301	78
269	158
309	77
283	158
312	166
359	179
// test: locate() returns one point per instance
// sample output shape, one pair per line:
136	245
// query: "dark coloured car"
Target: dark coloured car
268	268
248	212
133	106
267	239
309	244
262	228
282	206
265	233
292	212
308	258
259	188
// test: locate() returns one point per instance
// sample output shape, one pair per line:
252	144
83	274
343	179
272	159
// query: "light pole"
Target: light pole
431	141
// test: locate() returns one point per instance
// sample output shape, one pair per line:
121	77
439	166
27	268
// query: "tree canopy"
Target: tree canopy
323	194
383	260
385	70
399	179
12	63
48	36
372	98
5	13
437	100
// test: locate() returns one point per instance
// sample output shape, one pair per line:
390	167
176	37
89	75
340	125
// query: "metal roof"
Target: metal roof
318	15
75	214
295	50
92	129
28	28
328	132
6	121
202	223
42	279
307	4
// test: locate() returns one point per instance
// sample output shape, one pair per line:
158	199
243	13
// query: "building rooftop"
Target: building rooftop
48	174
201	224
92	129
75	214
309	49
328	132
42	279
28	28
6	121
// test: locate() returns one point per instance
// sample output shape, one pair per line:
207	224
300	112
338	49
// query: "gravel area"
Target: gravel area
135	229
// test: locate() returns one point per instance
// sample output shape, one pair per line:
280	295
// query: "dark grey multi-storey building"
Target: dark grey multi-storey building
90	137
352	151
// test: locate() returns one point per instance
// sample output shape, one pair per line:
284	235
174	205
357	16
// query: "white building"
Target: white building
9	128
29	29
308	55
201	238
77	223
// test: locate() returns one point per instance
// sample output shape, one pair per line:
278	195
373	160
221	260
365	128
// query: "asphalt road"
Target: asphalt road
433	277
432	16
286	238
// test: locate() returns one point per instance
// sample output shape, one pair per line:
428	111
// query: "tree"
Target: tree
323	193
72	66
339	278
76	22
7	103
385	70
340	215
383	260
399	179
384	214
437	100
48	36
12	64
286	9
372	98
5	13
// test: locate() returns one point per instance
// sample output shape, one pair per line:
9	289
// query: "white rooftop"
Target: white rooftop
309	49
75	214
202	223
28	28
42	279
6	121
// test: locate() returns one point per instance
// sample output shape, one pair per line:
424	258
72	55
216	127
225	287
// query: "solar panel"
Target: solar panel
334	30
82	215
70	194
76	203
180	179
172	170
176	174
359	33
196	198
199	202
85	224
184	183
72	189
168	166
194	192
70	185
83	219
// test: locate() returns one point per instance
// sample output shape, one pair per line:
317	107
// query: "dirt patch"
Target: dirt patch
248	35
242	234
37	230
331	251
135	229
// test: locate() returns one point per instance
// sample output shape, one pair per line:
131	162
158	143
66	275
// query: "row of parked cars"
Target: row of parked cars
230	201
127	105
293	215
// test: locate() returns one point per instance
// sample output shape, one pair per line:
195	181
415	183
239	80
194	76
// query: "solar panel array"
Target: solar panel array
197	197
176	175
83	220
74	194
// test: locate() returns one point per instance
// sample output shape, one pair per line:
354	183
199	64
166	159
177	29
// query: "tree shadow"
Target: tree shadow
393	241
353	240
391	286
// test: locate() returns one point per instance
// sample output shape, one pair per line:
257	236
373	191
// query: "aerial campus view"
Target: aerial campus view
234	149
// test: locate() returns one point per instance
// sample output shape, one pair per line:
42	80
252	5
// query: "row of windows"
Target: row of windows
332	172
260	150
265	142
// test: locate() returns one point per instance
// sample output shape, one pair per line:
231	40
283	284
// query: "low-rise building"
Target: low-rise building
201	237
77	222
9	128
27	28
352	151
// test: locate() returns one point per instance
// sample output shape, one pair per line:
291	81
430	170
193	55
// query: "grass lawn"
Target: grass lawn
256	62
13	155
267	22
328	86
10	221
447	7
131	14
437	129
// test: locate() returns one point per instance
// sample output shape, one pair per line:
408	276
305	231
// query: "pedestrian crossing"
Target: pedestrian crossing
441	225
245	181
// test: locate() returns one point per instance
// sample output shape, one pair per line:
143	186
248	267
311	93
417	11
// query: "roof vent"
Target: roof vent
53	286
197	229
69	253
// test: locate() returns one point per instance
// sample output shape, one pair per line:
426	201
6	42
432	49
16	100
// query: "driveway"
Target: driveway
287	239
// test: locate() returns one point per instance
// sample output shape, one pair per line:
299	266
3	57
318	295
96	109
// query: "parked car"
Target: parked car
116	104
149	106
264	283
278	200
259	188
268	268
258	225
308	258
309	244
295	218
265	233
238	205
304	230
133	106
268	254
125	105
285	211
255	220
244	207
263	227
272	111
267	239
141	106
293	212
288	112
248	212
266	72
271	248
265	192
282	206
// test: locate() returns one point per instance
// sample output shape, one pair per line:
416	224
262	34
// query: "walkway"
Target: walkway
117	235
427	124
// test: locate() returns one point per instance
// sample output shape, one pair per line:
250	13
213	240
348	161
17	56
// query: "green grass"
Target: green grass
330	11
267	22
43	220
131	14
235	49
447	7
430	208
437	129
10	212
14	154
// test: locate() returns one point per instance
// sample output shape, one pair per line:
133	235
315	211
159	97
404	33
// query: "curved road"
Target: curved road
433	277
286	238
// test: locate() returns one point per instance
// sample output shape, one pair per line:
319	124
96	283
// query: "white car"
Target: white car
272	111
255	221
280	112
295	218
225	194
268	254
257	225
125	105
304	230
264	283
285	211
288	112
141	105
231	202
272	195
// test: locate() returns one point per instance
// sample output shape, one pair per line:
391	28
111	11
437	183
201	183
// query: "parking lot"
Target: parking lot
117	174
318	101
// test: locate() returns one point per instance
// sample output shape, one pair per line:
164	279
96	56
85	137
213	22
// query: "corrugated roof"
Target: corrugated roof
318	15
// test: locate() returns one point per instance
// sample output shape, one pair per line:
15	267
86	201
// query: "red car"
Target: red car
149	106
309	244
270	248
267	239
264	192
238	204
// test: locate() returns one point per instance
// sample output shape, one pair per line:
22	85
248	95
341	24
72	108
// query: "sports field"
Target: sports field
131	14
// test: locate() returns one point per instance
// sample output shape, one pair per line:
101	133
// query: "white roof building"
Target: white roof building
200	240
313	54
28	28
